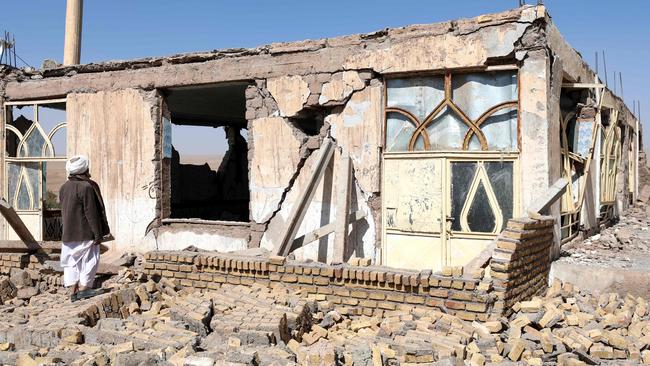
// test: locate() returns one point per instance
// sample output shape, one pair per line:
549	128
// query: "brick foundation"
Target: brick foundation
519	269
9	261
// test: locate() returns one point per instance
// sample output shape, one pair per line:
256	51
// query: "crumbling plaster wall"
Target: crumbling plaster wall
116	130
283	155
452	44
339	79
357	126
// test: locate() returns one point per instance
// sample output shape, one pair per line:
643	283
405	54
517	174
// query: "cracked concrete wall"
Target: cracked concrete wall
460	43
337	80
322	210
283	158
116	130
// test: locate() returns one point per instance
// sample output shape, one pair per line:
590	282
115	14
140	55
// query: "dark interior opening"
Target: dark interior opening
209	161
310	121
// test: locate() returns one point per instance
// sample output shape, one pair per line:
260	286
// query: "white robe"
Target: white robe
79	260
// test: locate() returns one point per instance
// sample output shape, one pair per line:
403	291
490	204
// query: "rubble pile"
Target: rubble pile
615	246
144	321
626	244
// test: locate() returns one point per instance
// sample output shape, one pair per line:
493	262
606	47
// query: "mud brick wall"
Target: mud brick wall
370	289
520	263
34	262
13	260
519	269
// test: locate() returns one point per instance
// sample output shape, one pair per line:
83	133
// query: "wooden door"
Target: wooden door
414	230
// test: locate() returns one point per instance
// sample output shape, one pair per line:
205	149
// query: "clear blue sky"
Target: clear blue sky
125	29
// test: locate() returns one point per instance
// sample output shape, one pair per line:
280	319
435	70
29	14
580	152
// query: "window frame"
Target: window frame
473	126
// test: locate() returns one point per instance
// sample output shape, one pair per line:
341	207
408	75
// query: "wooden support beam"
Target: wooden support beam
302	203
553	193
17	246
582	85
344	180
323	231
16	223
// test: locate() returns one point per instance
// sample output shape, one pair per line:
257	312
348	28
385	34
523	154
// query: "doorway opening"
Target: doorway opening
208	167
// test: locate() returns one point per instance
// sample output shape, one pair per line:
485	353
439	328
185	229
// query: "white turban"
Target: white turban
77	164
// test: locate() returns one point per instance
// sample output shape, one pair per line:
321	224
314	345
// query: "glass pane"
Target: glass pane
13	173
418	95
500	130
21	118
462	174
419	144
474	143
446	131
399	130
59	142
501	179
34	145
582	136
475	93
480	217
28	190
50	116
11	143
24	199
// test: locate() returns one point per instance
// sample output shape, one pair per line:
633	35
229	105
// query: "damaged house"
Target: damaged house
411	146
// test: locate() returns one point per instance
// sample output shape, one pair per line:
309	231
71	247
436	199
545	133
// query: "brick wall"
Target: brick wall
9	261
520	263
370	288
518	270
12	260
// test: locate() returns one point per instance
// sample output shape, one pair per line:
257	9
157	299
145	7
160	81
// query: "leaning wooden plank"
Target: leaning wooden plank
302	203
16	223
553	193
342	207
322	231
583	85
17	246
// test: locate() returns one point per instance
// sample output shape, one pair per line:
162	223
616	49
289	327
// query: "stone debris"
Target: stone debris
144	321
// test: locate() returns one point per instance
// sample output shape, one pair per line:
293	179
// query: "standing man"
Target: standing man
84	226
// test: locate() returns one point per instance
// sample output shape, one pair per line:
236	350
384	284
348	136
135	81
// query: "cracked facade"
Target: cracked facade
392	101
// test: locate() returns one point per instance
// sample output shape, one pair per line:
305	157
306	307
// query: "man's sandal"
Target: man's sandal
87	294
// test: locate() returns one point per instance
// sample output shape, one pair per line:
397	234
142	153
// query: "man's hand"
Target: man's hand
97	241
